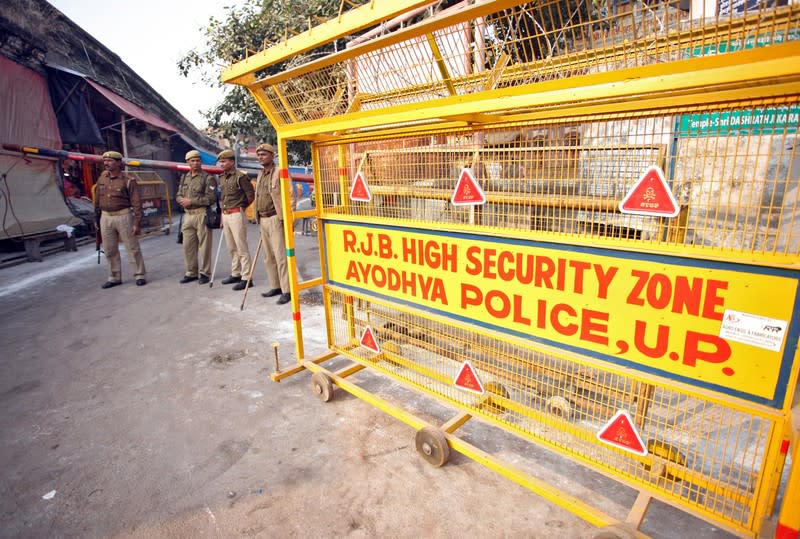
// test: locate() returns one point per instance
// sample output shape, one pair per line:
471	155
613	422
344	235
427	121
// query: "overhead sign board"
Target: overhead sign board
663	315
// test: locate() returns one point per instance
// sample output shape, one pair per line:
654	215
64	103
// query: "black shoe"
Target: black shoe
242	284
111	284
140	282
271	293
285	298
232	279
188	279
203	279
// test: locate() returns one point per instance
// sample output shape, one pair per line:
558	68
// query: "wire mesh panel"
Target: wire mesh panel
464	51
474	178
707	455
733	171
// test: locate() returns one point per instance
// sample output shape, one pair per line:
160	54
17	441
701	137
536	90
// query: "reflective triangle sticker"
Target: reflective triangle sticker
620	432
468	191
360	190
468	379
368	341
650	196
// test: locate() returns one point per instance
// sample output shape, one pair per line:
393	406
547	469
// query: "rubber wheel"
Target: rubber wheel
431	443
666	451
322	386
314	226
559	407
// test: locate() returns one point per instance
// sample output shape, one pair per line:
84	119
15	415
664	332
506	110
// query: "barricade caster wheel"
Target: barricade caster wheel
431	443
559	407
666	451
322	386
614	531
495	388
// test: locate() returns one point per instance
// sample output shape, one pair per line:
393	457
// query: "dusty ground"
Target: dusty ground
148	412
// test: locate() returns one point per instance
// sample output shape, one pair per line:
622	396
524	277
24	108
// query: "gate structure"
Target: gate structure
575	221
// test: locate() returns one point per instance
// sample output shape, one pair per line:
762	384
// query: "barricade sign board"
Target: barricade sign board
468	379
468	191
620	432
368	340
656	314
650	196
360	190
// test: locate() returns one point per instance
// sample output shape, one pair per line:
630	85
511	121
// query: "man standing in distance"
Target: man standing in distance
196	192
237	194
118	213
270	221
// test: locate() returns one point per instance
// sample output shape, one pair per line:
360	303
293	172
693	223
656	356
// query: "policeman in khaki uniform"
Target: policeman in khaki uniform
118	213
196	192
269	214
237	194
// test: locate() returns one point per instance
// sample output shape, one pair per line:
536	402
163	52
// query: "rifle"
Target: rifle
98	241
180	230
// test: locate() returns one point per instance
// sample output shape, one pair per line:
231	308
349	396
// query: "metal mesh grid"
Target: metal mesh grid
533	42
705	455
737	185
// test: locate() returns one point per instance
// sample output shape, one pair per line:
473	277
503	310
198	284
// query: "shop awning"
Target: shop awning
130	108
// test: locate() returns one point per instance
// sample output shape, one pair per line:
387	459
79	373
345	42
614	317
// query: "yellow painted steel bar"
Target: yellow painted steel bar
310	283
288	237
346	24
751	71
286	373
267	107
443	20
554	495
286	105
789	517
437	54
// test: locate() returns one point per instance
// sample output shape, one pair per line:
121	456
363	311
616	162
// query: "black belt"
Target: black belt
267	213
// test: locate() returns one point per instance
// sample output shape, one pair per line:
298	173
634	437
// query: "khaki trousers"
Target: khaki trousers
196	235
275	252
235	231
115	228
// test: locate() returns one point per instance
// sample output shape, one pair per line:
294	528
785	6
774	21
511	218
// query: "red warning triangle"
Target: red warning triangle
468	191
650	196
468	379
360	190
368	341
620	432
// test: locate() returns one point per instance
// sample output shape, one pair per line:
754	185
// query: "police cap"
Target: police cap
265	148
226	154
192	154
113	155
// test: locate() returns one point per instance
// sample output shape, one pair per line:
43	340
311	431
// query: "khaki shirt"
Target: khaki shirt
200	189
117	193
237	191
268	192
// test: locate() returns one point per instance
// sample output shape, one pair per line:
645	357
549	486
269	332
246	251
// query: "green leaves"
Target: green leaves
242	31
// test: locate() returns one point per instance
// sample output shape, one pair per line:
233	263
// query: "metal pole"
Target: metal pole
216	259
252	268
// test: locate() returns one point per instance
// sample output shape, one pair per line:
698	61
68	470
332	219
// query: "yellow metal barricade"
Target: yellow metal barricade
577	222
156	206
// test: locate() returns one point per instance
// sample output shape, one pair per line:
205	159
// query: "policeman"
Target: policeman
196	192
118	213
270	221
237	194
